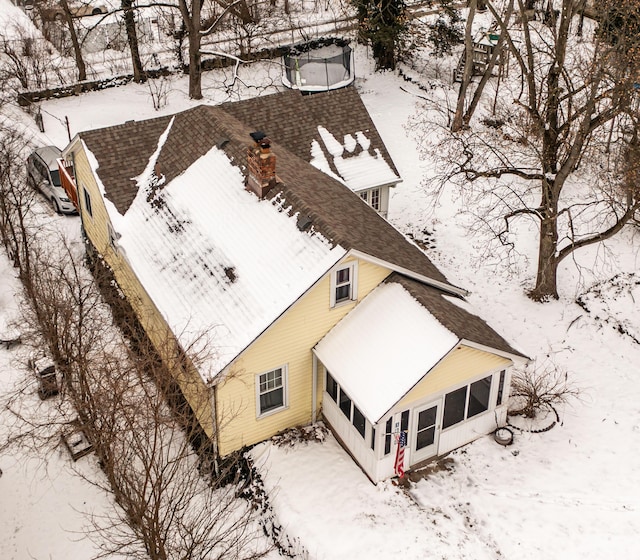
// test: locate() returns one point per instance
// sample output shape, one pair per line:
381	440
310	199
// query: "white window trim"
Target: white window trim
86	194
353	275
285	392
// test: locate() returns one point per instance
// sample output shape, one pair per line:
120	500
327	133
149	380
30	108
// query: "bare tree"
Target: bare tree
26	61
539	386
170	496
129	10
467	74
16	199
488	71
196	27
75	42
157	460
560	149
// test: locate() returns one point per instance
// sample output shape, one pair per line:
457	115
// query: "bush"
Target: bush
539	386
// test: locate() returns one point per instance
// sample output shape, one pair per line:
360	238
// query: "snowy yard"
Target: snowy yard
569	493
45	502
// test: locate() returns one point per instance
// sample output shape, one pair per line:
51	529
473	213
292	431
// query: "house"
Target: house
275	295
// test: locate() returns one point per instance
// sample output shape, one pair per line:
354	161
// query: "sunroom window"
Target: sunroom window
347	406
332	387
479	397
358	421
503	375
466	402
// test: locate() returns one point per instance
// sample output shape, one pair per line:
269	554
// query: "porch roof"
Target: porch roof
380	350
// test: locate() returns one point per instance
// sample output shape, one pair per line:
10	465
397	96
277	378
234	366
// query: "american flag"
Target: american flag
399	464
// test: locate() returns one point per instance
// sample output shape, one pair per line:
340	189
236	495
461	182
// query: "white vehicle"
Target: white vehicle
42	173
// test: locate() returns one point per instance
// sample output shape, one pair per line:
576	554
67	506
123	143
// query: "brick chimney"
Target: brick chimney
262	165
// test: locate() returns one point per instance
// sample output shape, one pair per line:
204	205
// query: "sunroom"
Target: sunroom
391	367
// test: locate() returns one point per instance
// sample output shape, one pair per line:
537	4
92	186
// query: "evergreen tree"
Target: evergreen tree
383	23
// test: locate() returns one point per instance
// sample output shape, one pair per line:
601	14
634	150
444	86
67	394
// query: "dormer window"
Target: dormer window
372	198
343	284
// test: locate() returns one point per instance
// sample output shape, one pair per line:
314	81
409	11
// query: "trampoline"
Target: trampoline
319	65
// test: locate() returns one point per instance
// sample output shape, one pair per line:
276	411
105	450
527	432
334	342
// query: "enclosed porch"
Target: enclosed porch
406	374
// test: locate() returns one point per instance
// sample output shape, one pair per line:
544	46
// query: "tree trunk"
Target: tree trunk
195	70
132	38
548	258
497	51
456	125
548	261
193	25
77	51
239	8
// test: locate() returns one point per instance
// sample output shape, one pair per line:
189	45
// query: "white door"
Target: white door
426	431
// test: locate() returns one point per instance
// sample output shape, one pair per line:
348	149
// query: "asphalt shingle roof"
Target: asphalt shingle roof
292	119
455	318
335	211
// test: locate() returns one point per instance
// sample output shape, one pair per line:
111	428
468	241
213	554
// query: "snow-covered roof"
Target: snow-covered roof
376	361
214	259
331	130
357	164
208	272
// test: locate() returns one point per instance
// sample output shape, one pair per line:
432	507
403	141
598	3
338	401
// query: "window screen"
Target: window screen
358	420
345	404
332	387
454	404
479	396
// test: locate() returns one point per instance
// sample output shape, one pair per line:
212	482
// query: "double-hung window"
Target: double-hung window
272	391
344	284
113	237
332	387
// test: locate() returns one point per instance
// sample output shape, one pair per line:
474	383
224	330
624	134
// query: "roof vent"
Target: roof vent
303	222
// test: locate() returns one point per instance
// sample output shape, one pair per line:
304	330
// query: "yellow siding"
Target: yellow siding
460	365
152	321
95	227
287	342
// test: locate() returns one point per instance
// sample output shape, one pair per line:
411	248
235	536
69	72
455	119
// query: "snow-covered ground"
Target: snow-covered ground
571	492
46	503
567	493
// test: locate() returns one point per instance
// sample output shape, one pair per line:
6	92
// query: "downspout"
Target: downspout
214	425
314	389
